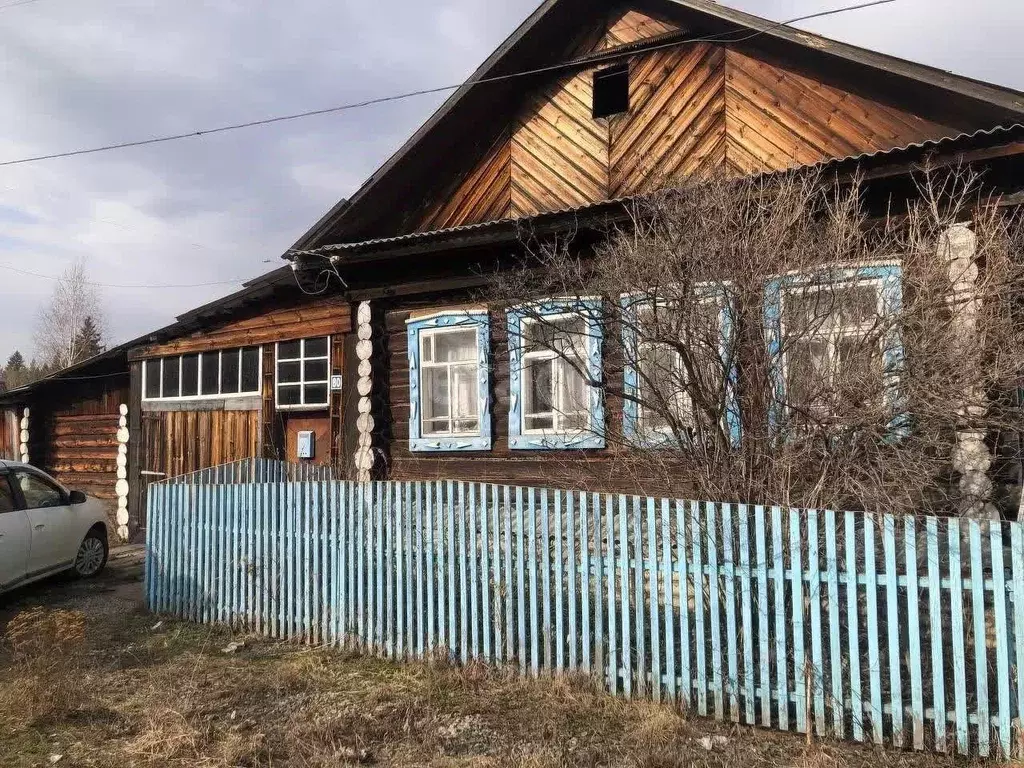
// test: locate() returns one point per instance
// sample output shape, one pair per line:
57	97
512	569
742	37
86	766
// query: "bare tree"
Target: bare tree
58	336
767	341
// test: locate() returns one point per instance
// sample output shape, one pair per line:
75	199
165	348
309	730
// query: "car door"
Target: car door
51	521
15	536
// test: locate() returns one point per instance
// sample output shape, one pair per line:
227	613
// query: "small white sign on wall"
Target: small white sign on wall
336	383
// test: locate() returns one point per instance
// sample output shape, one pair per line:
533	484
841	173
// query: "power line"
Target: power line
724	38
113	285
16	4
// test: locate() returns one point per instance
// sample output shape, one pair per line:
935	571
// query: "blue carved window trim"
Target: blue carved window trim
460	319
632	420
888	279
590	310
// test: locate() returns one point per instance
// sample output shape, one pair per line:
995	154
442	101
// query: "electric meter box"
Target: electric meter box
306	445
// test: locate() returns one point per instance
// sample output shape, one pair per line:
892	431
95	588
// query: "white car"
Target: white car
45	528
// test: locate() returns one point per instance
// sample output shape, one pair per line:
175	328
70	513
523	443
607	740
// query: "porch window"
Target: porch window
216	374
835	342
555	356
303	373
449	381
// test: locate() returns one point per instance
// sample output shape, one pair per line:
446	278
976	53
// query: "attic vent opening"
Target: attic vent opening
611	91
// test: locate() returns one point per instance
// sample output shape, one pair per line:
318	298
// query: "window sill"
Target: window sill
449	444
301	408
553	441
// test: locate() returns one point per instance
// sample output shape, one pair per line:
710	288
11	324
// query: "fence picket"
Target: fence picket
892	620
763	618
980	661
914	634
404	568
698	608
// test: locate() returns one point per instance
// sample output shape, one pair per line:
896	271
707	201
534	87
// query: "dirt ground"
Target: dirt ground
89	678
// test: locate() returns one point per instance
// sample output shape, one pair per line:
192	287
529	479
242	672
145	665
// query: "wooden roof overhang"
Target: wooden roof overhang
985	146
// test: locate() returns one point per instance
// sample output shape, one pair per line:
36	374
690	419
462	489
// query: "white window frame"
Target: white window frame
831	332
199	381
557	373
474	362
302	382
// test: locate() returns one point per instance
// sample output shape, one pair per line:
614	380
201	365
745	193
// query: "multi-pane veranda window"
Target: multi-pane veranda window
221	373
834	347
303	373
555	390
449	359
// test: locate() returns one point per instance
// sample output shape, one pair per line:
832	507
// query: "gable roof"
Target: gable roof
553	31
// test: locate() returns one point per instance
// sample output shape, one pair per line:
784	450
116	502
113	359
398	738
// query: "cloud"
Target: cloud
220	208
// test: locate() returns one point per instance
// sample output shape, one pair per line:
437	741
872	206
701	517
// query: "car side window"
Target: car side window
37	492
6	496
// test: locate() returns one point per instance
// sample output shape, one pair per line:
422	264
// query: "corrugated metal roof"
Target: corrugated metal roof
946	142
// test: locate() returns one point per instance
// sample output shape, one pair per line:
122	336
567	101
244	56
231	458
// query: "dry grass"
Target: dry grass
170	697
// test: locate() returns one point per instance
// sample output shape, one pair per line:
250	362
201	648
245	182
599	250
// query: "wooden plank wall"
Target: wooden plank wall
295	317
693	108
176	442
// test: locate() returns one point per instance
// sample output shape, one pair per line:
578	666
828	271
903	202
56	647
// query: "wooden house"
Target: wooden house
584	106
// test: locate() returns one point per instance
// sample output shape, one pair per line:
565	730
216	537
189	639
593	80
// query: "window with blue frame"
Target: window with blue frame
449	381
674	354
555	351
835	344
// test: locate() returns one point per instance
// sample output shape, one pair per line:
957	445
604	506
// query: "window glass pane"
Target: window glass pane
251	369
539	422
152	378
807	373
289	373
454	346
859	370
661	384
316	347
229	372
189	375
435	398
289	350
857	304
316	394
316	370
172	366
537	383
467	392
572	394
211	373
38	493
427	347
6	496
289	395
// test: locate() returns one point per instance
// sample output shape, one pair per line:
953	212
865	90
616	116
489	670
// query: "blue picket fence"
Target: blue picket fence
899	631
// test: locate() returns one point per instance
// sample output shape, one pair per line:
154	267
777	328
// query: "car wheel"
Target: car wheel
92	555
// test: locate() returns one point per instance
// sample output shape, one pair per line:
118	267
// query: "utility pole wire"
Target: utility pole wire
724	38
112	285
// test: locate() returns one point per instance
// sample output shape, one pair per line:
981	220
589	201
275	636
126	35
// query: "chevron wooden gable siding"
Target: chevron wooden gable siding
484	194
776	118
693	109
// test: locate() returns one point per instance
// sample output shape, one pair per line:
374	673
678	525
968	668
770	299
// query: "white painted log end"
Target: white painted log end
123	409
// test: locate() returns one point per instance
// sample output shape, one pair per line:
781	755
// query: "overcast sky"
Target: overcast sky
78	73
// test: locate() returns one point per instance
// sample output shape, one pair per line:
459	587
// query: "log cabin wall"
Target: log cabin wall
9	434
73	432
601	470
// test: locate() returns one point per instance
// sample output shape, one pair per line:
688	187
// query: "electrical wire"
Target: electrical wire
724	38
16	4
113	285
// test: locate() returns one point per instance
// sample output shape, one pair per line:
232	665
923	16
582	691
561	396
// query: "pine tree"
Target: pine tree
89	342
15	363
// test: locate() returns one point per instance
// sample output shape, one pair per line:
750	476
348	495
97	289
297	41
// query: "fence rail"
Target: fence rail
898	631
254	470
